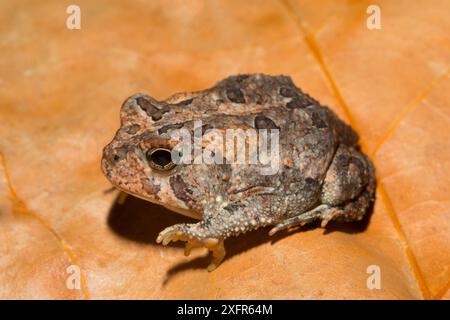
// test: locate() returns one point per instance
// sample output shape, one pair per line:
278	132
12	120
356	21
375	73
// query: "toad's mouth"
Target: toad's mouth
185	212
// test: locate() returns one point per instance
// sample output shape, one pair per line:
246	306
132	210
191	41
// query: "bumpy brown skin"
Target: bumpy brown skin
323	174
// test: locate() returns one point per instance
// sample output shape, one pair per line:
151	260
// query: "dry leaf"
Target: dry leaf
60	94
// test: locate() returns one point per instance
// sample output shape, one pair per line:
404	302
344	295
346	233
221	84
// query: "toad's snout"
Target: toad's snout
114	160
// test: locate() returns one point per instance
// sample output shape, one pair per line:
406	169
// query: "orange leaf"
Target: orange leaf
60	94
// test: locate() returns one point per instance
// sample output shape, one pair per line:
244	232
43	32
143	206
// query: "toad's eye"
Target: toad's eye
160	159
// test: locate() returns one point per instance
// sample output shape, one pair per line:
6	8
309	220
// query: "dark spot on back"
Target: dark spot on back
298	102
288	92
151	110
241	77
309	180
147	106
235	95
317	120
164	129
184	103
263	122
311	184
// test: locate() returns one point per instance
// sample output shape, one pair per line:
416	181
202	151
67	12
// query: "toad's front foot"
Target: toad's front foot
193	238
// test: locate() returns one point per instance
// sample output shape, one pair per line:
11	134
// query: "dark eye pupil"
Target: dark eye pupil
160	159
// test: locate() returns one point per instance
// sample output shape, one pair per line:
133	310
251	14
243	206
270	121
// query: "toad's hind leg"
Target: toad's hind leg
349	179
353	210
347	193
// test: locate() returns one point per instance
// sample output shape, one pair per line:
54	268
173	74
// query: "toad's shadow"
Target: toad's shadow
141	221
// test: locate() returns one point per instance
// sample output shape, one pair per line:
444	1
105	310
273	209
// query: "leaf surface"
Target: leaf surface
60	94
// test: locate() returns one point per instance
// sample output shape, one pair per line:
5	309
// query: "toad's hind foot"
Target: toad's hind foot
181	232
324	212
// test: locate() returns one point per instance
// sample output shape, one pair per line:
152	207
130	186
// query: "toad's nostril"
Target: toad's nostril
118	154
